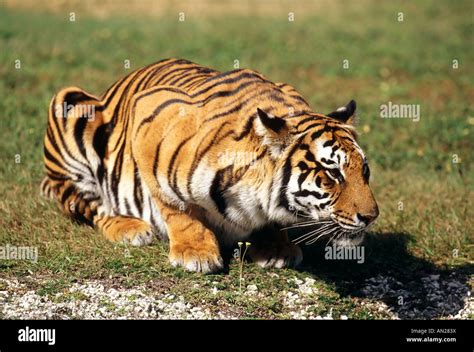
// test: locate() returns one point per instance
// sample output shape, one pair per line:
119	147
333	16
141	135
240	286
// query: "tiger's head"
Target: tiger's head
323	174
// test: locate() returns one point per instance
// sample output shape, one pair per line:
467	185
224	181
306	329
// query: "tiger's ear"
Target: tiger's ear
346	113
273	130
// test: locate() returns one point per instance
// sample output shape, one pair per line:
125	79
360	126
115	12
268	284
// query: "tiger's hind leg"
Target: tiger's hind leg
74	117
125	229
84	208
78	205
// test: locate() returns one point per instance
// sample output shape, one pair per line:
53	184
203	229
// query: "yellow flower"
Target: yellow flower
384	87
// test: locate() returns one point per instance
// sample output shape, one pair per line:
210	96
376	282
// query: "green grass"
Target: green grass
407	62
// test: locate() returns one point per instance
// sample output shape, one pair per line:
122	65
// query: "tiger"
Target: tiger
202	159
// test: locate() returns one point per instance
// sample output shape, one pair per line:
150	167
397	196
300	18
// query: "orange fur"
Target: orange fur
163	153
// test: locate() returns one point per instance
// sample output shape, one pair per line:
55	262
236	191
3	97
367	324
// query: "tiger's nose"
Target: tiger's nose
369	217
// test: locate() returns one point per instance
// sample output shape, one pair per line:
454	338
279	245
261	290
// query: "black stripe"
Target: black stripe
174	101
227	81
157	157
283	201
250	98
54	175
192	79
171	74
105	100
152	219
324	205
69	190
217	191
225	178
319	133
137	190
300	99
303	176
99	143
79	128
327	161
306	193
225	93
329	143
234	109
72	99
199	155
202	72
127	207
173	183
116	174
247	128
64	147
167	103
124	96
52	159
306	119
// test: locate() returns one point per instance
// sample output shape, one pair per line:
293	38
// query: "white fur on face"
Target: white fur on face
345	241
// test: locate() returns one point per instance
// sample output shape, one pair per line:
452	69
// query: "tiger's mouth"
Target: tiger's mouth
330	230
349	239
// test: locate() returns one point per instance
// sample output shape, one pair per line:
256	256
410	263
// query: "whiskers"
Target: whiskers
328	228
325	228
307	223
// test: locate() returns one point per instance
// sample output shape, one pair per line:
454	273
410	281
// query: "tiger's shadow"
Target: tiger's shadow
411	287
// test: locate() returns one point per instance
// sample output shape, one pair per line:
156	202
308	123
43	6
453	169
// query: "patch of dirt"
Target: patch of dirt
107	299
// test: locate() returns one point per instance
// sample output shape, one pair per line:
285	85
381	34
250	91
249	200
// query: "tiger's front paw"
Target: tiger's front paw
276	255
138	239
128	230
198	257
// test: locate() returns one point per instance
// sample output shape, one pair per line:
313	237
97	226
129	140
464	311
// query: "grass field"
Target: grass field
422	171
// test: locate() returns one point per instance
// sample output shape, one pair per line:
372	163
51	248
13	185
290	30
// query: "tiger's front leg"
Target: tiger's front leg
192	244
